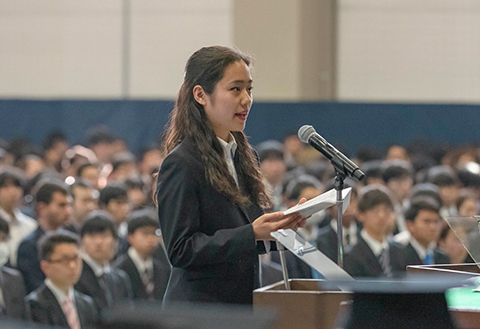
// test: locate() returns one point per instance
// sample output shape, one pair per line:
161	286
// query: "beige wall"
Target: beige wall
73	49
409	50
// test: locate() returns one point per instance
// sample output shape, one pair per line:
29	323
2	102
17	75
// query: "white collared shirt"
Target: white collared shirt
421	251
59	294
229	150
139	262
98	270
20	226
351	231
374	245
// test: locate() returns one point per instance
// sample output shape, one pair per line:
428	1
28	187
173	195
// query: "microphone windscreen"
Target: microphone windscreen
305	132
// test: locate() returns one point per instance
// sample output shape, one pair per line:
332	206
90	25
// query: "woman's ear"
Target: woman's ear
199	95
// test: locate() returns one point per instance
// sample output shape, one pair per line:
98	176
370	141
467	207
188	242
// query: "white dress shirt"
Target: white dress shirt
20	226
59	294
98	270
141	264
375	246
229	150
350	231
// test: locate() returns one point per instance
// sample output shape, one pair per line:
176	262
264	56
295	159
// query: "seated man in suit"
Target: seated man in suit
52	210
149	275
373	255
105	284
56	302
12	289
424	223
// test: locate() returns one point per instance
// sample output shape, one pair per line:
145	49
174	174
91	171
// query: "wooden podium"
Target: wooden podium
465	317
305	306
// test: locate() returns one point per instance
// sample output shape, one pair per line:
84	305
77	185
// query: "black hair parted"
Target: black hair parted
47	243
141	219
112	192
373	196
98	221
425	203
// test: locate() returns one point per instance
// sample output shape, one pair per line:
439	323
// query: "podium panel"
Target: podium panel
305	306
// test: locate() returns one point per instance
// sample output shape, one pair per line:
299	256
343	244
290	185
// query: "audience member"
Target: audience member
149	160
452	244
54	148
397	176
20	225
467	205
105	284
114	200
424	223
12	289
52	210
445	178
273	168
148	275
137	197
123	167
56	302
327	241
89	172
84	201
373	255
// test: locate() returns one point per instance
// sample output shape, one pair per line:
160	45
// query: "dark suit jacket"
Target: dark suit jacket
161	274
208	238
412	258
326	242
13	289
27	260
44	308
360	261
118	282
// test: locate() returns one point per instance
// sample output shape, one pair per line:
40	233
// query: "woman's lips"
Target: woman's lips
242	116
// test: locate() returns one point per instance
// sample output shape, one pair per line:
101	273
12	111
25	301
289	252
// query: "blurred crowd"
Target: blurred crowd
78	225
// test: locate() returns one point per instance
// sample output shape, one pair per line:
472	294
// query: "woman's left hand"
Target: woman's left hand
297	219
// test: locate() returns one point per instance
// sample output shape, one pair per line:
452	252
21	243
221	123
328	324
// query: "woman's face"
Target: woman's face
228	106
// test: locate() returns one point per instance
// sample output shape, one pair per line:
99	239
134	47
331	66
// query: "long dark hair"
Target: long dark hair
188	119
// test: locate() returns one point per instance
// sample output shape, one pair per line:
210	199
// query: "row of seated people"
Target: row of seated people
55	264
371	250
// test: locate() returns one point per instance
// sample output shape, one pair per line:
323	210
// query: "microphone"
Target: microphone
344	165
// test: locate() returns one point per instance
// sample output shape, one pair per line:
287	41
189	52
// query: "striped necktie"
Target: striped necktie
384	261
70	313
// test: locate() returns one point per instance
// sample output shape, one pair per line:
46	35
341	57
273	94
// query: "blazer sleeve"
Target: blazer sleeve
179	215
35	312
28	265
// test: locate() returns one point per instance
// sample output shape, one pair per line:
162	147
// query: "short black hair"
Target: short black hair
141	219
47	243
423	190
442	176
426	203
270	150
295	187
10	177
98	222
47	188
372	196
99	134
80	183
122	159
112	192
372	169
134	183
4	226
85	166
395	169
53	138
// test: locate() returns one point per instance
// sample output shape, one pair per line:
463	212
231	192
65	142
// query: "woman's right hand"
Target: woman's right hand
268	223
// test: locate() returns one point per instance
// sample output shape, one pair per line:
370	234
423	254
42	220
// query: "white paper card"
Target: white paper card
321	202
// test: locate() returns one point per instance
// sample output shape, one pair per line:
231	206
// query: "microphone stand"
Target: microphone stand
339	178
341	173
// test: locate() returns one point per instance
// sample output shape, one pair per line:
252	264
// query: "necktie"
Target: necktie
429	259
384	261
70	314
148	281
103	281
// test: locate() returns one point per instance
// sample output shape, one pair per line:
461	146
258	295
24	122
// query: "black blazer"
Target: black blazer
208	238
13	289
412	258
27	260
360	261
326	241
161	274
44	308
118	282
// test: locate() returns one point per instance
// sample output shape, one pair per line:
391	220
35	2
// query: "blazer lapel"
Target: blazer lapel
56	311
